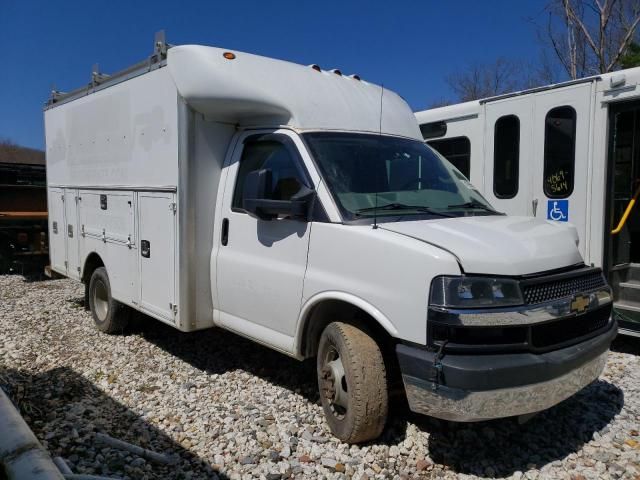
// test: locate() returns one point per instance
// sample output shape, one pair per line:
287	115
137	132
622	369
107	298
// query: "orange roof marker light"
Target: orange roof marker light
355	77
336	71
315	67
229	55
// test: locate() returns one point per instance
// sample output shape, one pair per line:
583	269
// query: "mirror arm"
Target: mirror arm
299	207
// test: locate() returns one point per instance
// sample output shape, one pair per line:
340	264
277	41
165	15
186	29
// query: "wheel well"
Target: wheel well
92	262
329	311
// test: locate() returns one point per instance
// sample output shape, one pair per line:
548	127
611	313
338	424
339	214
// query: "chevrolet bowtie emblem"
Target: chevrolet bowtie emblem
579	304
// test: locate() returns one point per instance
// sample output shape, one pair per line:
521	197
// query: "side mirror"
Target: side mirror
257	199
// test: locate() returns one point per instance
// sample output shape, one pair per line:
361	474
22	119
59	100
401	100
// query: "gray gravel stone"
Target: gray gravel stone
228	407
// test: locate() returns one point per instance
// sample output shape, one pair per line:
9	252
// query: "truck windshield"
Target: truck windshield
390	176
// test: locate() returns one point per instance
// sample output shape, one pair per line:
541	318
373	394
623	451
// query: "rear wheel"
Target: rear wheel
109	315
352	381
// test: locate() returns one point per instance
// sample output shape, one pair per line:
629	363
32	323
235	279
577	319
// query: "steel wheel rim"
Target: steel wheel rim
100	300
333	382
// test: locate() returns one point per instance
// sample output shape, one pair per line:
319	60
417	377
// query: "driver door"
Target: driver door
261	263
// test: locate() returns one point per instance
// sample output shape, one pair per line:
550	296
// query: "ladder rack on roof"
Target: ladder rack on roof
100	80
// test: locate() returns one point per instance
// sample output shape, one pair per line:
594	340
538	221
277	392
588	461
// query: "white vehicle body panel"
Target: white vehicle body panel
390	274
509	245
265	261
524	110
132	142
153	161
286	94
57	234
157	247
579	98
591	98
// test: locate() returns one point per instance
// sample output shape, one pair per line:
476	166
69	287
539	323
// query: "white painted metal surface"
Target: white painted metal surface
154	160
157	257
132	142
577	97
591	98
501	245
71	232
253	90
385	274
521	204
264	261
57	240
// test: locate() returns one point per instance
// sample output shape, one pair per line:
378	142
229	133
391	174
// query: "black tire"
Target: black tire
109	315
355	402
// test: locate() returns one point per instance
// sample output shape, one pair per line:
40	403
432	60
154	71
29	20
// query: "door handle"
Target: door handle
534	206
224	235
145	248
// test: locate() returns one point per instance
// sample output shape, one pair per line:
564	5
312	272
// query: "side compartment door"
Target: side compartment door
157	248
561	163
106	223
57	236
508	155
71	233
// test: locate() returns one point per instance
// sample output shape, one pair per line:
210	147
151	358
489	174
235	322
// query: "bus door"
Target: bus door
562	142
508	155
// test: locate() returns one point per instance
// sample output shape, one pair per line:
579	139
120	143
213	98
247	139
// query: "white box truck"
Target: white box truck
568	152
300	208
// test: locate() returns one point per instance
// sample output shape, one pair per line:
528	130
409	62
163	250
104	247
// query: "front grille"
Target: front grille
566	329
546	291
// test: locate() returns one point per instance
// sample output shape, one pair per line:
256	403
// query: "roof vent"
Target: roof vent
355	77
315	67
618	80
336	71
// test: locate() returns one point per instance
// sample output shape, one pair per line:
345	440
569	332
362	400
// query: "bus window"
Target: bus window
457	150
559	152
506	156
433	130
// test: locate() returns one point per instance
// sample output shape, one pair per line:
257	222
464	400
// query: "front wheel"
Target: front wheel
352	380
109	315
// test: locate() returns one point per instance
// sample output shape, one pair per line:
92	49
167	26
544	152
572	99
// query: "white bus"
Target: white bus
568	152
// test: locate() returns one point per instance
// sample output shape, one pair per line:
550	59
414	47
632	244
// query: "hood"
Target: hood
498	245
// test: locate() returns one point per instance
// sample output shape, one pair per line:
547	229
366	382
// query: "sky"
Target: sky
409	46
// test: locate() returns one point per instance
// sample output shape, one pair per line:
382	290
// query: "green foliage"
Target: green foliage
631	58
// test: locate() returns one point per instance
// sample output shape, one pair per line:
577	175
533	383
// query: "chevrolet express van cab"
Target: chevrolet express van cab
299	207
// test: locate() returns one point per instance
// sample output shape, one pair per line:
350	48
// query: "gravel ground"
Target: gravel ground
228	408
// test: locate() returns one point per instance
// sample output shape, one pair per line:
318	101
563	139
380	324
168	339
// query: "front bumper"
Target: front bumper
467	388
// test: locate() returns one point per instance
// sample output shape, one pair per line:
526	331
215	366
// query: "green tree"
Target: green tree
631	58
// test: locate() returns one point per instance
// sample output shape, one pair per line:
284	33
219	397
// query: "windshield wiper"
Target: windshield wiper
402	206
475	204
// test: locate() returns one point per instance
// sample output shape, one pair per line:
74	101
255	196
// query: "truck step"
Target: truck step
627	305
628	331
629	291
631	284
633	272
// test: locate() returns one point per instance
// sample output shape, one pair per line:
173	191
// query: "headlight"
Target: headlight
473	292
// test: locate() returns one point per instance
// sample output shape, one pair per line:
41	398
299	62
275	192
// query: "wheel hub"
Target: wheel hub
334	384
101	300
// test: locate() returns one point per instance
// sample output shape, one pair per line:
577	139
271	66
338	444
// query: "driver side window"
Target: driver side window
286	180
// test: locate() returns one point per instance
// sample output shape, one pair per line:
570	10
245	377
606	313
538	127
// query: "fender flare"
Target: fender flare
91	254
358	302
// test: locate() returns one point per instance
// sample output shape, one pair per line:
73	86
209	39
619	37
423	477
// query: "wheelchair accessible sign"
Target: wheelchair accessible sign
558	210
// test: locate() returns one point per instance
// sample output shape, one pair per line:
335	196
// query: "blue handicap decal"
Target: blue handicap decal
558	210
